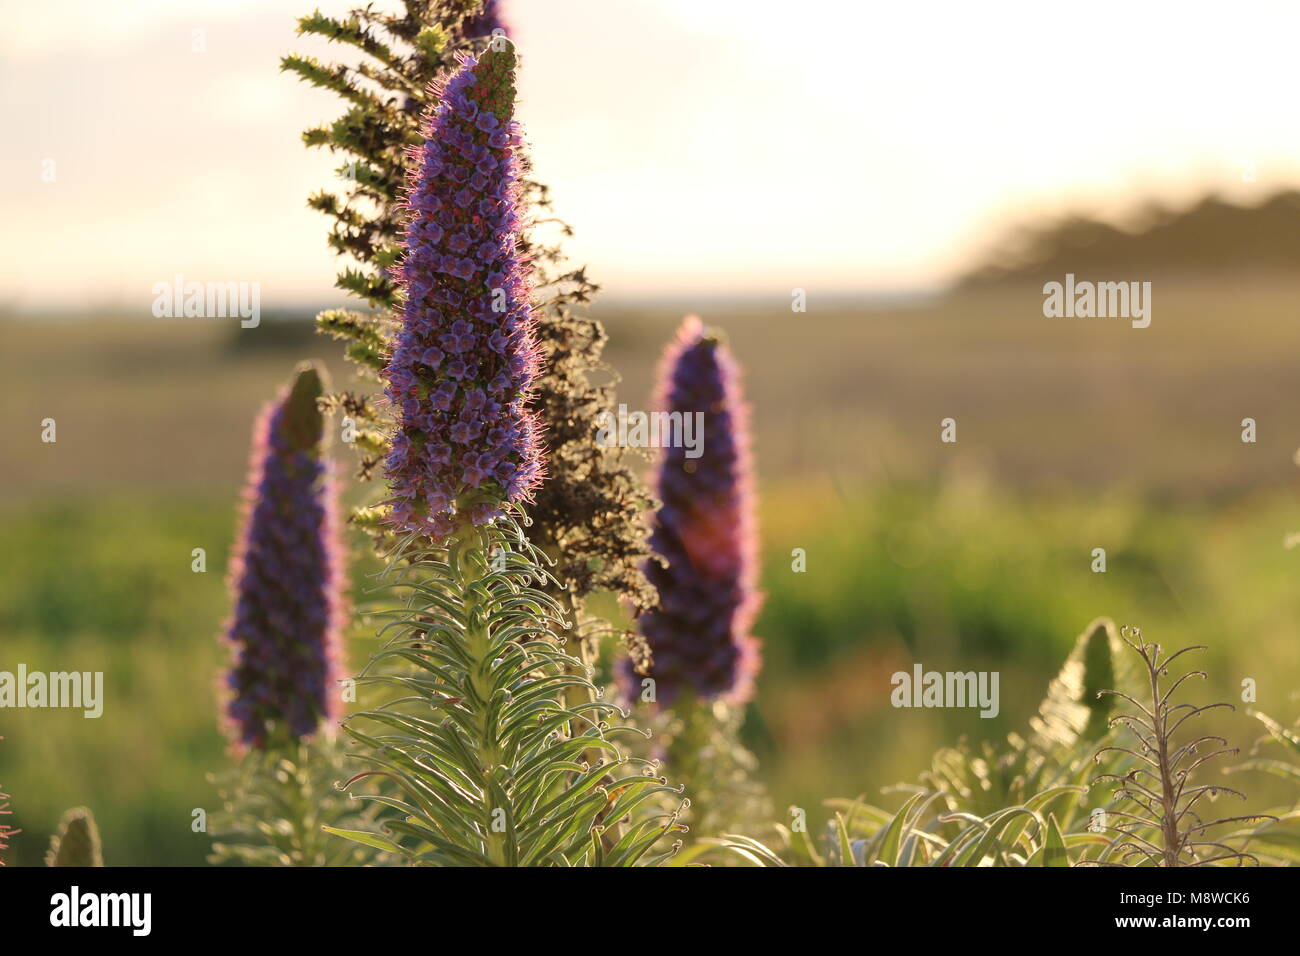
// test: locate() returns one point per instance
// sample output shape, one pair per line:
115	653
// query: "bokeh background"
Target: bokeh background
917	170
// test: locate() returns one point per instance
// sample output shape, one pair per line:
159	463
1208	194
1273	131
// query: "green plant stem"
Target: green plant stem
689	738
471	551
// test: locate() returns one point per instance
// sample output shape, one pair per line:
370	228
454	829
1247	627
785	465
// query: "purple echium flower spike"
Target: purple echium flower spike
705	531
485	21
287	578
464	363
6	831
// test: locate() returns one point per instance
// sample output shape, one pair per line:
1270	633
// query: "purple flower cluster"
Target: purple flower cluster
287	578
705	530
463	367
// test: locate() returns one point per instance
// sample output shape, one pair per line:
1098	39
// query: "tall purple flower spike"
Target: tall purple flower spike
706	532
485	21
463	368
287	578
6	831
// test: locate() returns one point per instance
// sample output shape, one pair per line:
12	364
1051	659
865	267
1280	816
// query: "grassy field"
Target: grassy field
1072	435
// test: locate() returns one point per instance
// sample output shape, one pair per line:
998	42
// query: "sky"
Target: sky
698	147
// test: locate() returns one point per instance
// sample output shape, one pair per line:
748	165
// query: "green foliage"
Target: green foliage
1057	753
76	843
1075	708
275	805
1025	804
1275	841
492	746
921	834
701	748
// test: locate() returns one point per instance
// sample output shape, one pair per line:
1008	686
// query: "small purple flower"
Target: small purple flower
437	456
287	579
462	257
440	400
705	531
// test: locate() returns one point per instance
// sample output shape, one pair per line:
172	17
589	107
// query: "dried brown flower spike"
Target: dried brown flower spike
1166	830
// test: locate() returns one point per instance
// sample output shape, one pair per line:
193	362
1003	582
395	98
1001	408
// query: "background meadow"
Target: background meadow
1071	436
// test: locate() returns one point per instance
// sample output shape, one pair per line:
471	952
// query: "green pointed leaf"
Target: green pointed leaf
1073	712
365	837
1054	851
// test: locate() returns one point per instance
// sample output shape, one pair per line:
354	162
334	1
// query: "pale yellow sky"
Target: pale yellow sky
699	147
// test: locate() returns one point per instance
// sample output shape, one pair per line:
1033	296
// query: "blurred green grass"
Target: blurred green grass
967	556
953	576
962	577
104	584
